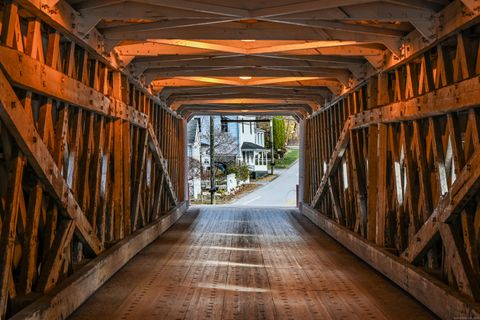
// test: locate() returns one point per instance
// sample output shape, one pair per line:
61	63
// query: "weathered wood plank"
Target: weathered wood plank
467	183
335	158
56	84
70	294
38	156
373	175
158	155
438	297
456	97
8	234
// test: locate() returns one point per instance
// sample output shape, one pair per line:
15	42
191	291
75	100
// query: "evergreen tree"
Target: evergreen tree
279	135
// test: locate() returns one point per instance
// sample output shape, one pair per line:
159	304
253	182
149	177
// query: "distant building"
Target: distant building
194	138
249	146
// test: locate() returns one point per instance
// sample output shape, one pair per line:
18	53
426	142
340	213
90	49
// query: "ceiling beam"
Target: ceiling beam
206	81
241	31
160	25
167	91
473	5
140	65
304	7
221	58
379	11
225	95
339	74
186	47
330	25
176	4
246	101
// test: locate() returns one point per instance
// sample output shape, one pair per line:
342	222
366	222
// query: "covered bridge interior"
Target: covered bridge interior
94	100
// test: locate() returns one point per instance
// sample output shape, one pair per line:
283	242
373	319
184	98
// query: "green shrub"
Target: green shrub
240	170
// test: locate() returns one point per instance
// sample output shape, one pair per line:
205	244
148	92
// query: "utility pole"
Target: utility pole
272	160
212	162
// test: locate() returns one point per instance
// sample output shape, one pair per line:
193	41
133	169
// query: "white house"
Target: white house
249	142
252	146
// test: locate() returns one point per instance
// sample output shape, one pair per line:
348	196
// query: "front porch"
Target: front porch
255	156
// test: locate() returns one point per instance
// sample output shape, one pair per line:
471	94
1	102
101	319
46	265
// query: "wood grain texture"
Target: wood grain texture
68	296
238	263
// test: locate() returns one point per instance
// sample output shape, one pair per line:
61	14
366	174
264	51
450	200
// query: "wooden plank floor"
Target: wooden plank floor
245	263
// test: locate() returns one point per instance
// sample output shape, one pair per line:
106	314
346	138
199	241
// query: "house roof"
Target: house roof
251	146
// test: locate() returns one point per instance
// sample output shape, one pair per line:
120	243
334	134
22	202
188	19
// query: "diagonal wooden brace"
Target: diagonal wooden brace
29	141
334	161
158	155
462	190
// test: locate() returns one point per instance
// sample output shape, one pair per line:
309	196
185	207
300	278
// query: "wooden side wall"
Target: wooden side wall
87	157
397	162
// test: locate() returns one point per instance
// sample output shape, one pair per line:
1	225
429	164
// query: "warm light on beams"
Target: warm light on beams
290	46
245	77
235	81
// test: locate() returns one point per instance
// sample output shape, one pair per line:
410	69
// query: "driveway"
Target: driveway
281	192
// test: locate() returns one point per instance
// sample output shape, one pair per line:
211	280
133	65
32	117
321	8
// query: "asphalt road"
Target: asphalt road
281	192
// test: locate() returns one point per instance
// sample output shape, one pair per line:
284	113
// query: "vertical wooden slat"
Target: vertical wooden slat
8	235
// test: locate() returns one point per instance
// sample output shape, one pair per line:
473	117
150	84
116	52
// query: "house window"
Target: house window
224	126
251	125
243	127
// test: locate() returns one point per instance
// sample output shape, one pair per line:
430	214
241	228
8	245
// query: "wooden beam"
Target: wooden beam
8	230
330	25
68	296
177	4
64	18
54	83
29	141
434	294
464	188
245	101
157	47
141	65
239	31
233	81
456	97
334	161
158	155
304	7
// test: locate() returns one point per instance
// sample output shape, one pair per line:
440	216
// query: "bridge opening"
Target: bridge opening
255	160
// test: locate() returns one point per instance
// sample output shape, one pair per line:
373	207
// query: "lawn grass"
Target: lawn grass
290	157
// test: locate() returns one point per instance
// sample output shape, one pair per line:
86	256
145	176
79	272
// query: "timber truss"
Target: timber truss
87	157
215	56
94	97
397	162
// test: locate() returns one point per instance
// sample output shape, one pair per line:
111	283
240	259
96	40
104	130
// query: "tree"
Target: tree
279	135
225	149
224	144
194	168
291	131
